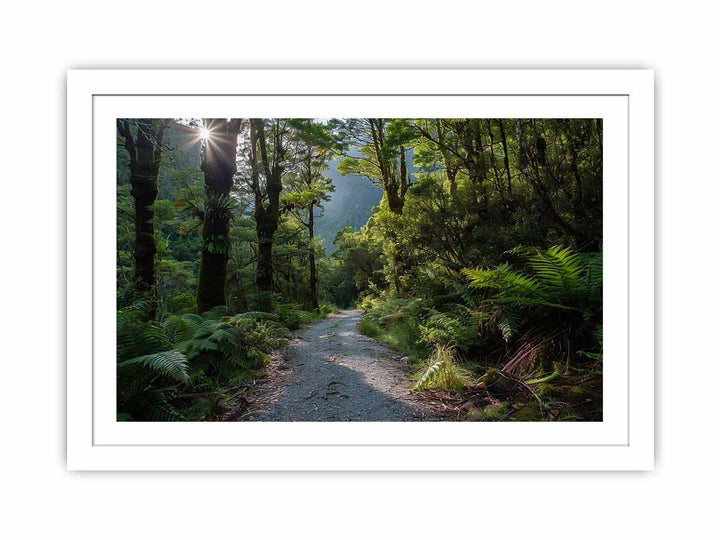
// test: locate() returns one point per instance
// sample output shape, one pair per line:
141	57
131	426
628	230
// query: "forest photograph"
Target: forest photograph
359	269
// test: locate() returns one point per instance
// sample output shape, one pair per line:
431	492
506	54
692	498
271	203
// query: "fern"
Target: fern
152	405
442	373
256	316
509	323
560	270
181	328
429	375
561	279
503	279
172	364
545	306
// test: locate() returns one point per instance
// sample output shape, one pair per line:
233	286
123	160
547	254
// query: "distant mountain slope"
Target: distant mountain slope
351	205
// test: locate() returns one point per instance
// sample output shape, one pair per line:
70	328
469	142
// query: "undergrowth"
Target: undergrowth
443	373
186	367
535	318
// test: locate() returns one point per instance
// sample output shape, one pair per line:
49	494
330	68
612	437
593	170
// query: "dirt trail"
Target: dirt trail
330	372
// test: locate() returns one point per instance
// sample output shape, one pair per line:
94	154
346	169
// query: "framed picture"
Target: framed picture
360	270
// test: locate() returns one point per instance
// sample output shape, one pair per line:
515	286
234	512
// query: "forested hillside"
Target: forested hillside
350	205
473	247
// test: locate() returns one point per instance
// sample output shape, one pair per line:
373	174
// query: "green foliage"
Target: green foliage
292	316
556	304
171	364
397	323
218	208
194	352
369	328
441	372
492	413
217	244
146	366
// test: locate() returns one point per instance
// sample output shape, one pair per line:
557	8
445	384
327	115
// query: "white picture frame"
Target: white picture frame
623	441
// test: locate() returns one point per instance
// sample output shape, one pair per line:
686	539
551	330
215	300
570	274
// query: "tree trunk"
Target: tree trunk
145	149
267	213
264	273
311	258
506	158
452	178
219	166
393	187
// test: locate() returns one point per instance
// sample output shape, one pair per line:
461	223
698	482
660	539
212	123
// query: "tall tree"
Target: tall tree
308	188
142	138
219	167
461	142
383	145
268	164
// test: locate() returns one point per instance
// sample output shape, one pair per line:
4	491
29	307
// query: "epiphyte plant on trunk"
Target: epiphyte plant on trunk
219	167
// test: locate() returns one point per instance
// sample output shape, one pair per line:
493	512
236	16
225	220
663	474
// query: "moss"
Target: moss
496	383
554	375
529	412
548	390
491	413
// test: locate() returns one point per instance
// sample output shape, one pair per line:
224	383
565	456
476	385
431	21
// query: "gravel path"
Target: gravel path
330	372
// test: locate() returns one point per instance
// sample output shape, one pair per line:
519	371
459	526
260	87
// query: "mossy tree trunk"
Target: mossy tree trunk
267	203
142	138
219	166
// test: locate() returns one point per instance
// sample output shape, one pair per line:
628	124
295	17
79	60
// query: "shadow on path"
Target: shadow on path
340	375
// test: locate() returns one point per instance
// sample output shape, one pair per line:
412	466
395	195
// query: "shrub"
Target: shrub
369	328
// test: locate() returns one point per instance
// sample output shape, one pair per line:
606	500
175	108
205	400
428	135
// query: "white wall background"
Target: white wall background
40	40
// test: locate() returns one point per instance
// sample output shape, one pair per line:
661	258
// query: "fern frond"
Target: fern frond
502	279
255	316
509	324
140	338
559	269
172	364
181	327
428	376
153	406
594	274
443	373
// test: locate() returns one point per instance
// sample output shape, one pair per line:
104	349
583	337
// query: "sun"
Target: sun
204	134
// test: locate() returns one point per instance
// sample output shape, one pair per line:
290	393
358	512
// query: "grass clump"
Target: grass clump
442	373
